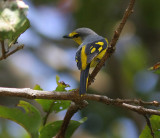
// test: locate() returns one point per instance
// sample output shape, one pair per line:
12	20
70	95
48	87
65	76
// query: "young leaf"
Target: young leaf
61	86
155	122
37	87
54	105
25	115
13	21
52	129
156	68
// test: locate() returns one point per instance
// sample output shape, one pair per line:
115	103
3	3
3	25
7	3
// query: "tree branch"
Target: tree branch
113	42
74	96
74	107
149	125
11	52
3	50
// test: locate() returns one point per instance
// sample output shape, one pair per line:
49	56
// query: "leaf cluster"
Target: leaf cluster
30	117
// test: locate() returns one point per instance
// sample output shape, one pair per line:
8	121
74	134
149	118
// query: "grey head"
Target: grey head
84	32
87	36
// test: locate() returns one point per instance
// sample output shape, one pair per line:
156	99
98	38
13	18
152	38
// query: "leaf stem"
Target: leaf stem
46	116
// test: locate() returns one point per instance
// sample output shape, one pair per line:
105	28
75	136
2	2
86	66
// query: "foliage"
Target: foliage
156	68
52	129
155	122
13	21
29	117
54	105
24	114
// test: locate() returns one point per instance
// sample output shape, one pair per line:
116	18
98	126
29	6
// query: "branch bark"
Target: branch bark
5	55
133	105
74	107
3	50
149	125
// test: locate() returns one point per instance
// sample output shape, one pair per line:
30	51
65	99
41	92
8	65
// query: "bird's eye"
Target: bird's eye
76	36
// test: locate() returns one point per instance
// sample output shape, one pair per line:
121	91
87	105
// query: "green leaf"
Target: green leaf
157	71
38	87
54	105
25	114
52	129
13	21
156	68
60	105
155	122
61	86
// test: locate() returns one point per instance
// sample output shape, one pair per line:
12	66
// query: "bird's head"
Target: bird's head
80	34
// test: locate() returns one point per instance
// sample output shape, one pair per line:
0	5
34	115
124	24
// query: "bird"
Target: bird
92	48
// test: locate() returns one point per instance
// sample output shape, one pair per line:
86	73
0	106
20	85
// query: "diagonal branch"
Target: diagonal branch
74	107
149	125
113	42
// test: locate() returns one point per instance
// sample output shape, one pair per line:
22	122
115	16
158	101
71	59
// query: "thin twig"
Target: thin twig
3	50
114	40
149	125
12	52
49	111
117	33
138	102
74	107
139	109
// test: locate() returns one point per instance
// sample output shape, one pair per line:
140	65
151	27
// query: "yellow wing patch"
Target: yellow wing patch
91	47
100	48
106	40
100	55
93	50
100	43
83	58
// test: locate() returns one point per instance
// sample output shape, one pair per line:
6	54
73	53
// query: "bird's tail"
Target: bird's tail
84	80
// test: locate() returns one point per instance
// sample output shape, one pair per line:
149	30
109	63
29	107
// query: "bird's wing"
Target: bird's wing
94	48
78	58
91	51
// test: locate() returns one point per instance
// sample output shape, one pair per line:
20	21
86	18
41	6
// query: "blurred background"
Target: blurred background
125	75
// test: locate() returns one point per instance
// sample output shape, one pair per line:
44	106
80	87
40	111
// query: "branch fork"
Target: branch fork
7	53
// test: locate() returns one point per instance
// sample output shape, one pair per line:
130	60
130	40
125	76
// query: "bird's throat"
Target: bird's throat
78	40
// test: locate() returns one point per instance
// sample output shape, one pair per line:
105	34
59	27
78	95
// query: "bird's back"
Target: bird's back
90	39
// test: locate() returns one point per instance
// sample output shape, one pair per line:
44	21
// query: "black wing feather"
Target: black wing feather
78	58
90	46
90	56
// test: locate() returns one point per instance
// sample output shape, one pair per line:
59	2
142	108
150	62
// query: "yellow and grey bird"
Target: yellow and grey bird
92	48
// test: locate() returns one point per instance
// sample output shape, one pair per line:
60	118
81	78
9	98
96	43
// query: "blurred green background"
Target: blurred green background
125	75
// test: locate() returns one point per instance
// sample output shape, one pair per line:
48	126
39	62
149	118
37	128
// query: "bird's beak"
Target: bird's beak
67	36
